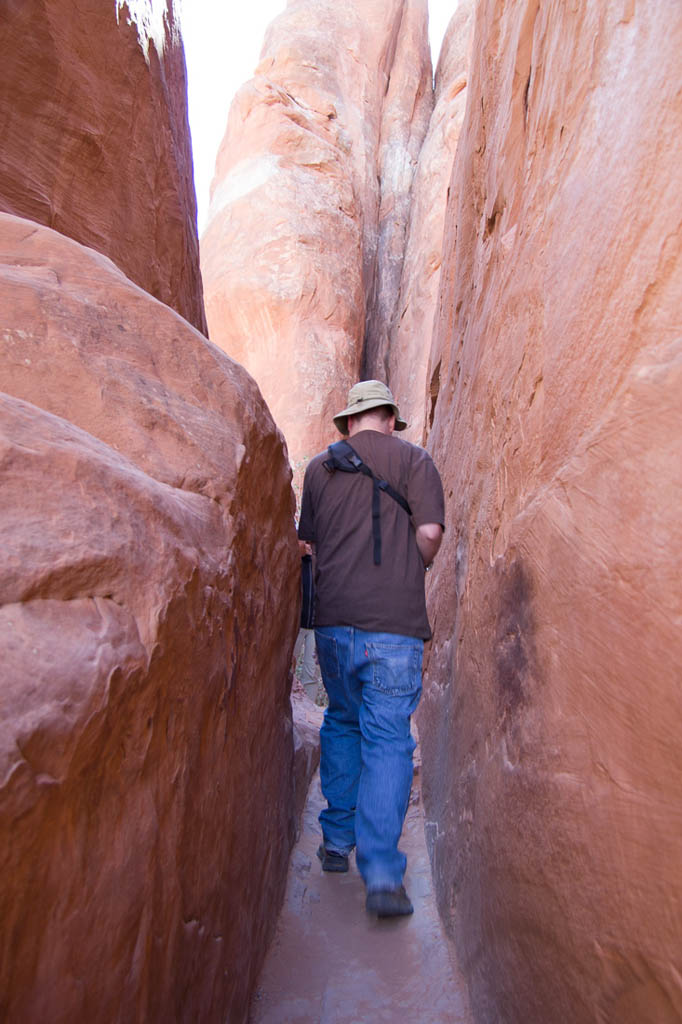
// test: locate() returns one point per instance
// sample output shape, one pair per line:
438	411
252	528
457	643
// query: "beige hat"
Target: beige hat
368	394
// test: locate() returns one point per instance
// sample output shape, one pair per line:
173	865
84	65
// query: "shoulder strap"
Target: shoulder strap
343	456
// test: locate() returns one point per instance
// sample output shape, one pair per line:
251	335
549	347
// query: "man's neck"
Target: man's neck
361	430
378	426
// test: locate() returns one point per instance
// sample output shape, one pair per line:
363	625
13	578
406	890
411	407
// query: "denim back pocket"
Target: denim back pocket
328	656
396	668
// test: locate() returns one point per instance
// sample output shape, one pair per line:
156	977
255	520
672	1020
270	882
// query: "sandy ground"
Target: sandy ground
330	963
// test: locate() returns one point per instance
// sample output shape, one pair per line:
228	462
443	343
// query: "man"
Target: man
370	627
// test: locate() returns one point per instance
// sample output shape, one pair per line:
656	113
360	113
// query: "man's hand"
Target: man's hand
304	548
429	537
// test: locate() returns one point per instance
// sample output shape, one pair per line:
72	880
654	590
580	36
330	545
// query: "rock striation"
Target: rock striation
405	114
552	755
96	144
146	754
303	239
410	365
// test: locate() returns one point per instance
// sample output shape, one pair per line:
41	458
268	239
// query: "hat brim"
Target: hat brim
341	418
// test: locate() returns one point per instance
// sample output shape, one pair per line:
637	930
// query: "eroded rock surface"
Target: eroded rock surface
297	216
405	117
412	369
146	756
551	722
93	118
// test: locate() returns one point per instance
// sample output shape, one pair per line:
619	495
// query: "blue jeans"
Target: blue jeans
374	683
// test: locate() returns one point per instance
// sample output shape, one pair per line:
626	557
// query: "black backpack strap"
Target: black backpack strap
385	486
376	520
307	593
344	457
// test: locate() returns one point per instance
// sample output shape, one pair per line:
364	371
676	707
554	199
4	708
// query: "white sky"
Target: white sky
223	41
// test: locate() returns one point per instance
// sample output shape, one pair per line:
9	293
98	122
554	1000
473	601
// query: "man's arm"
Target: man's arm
429	537
426	499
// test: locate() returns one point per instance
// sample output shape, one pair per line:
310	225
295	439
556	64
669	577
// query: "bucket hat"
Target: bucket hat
366	395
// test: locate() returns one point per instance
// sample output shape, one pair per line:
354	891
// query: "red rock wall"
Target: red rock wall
146	755
406	110
297	216
552	716
412	368
95	137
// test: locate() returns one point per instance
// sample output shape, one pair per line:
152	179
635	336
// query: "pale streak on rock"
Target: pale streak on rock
150	18
243	179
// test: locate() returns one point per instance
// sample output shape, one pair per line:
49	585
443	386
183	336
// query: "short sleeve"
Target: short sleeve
425	491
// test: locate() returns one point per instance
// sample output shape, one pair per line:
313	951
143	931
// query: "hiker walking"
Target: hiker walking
373	508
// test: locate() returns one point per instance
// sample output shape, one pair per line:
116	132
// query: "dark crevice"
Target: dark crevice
525	96
434	388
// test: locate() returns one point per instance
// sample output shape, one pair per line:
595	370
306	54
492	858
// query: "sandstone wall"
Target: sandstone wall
146	805
298	215
95	137
405	115
551	722
412	369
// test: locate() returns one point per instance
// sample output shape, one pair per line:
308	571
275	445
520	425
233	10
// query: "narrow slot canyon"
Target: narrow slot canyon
497	239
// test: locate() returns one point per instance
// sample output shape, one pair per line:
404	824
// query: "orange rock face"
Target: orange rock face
93	118
405	117
146	755
412	369
297	216
551	722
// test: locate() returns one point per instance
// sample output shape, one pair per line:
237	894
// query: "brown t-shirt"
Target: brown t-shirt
336	516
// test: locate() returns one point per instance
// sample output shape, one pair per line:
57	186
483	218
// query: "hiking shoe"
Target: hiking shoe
331	860
389	902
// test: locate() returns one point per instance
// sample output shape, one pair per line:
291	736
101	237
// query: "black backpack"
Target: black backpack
343	456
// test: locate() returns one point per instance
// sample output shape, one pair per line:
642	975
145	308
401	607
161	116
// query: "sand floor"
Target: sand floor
330	963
